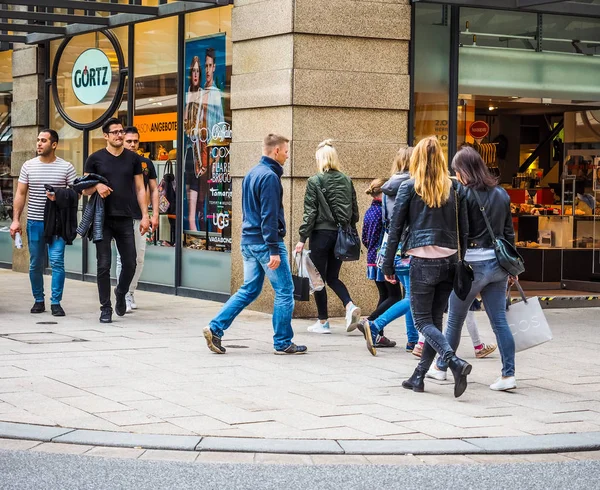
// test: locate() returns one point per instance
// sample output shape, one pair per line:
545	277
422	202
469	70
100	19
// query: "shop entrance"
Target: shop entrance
546	153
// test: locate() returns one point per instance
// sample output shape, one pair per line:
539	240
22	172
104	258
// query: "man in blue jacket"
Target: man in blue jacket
263	251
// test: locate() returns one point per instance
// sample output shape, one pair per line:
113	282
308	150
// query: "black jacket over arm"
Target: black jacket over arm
426	226
92	221
60	215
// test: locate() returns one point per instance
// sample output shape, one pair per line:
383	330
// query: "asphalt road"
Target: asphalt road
30	470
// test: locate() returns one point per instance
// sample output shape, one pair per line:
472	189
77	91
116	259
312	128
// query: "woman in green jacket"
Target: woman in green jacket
330	200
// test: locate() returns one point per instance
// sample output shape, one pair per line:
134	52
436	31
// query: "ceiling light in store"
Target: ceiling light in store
515	97
492	108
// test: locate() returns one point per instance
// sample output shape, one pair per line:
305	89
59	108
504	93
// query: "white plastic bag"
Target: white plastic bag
308	269
527	322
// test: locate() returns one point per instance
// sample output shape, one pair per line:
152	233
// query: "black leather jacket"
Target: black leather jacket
426	226
497	207
92	221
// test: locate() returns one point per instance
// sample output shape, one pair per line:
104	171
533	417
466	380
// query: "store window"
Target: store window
156	75
431	68
207	133
6	181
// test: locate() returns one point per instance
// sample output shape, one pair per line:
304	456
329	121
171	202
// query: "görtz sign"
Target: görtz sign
92	76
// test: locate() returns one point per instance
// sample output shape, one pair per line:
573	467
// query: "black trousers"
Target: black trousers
121	229
389	294
322	243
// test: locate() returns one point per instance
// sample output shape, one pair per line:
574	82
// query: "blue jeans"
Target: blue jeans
490	281
37	255
397	310
256	258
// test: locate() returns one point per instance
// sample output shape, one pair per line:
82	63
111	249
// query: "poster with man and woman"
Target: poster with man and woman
207	126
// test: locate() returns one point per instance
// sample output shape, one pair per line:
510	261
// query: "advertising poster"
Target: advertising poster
207	127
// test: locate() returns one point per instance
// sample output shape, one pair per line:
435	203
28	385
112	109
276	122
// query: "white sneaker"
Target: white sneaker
319	327
132	299
504	384
352	317
435	373
128	307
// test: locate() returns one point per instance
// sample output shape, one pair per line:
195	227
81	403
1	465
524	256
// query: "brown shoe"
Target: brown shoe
213	342
485	351
418	350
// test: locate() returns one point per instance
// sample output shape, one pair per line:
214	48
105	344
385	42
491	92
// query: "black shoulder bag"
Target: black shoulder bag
347	245
508	258
463	277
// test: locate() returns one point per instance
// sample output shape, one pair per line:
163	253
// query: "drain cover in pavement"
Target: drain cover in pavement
41	338
234	346
46	323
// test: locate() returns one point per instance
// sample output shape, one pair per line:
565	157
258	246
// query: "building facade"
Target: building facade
371	75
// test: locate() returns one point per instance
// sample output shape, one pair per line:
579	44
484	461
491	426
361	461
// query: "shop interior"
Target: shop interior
546	153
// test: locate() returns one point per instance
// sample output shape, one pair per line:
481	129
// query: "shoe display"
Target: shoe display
485	350
120	303
106	315
410	346
319	327
460	370
128	307
383	341
38	307
435	373
415	382
504	384
291	350
370	337
352	317
213	342
418	350
57	310
133	304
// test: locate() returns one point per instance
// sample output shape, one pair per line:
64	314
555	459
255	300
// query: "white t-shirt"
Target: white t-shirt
35	174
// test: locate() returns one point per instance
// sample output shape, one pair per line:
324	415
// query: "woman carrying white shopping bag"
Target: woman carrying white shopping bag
490	227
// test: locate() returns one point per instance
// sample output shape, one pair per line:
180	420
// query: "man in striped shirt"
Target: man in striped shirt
46	168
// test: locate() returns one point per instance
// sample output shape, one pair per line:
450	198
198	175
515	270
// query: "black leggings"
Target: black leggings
388	295
322	243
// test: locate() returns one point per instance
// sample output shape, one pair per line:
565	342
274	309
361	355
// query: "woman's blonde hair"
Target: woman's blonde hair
374	188
401	162
429	169
327	157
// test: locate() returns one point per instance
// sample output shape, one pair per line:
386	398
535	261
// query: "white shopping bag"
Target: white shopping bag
527	322
308	269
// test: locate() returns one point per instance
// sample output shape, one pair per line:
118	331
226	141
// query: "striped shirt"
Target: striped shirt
35	174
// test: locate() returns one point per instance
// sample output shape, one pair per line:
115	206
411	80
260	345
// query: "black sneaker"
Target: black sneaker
106	314
292	349
120	303
38	307
384	342
213	342
57	310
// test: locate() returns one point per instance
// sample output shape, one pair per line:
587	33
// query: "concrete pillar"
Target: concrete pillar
311	70
27	115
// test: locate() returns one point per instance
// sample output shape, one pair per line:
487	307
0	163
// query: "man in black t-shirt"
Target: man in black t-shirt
132	142
123	170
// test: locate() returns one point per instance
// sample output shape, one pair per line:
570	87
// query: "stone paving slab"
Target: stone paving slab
539	444
31	432
150	373
455	446
235	444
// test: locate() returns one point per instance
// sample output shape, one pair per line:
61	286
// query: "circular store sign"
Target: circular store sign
88	79
479	130
92	76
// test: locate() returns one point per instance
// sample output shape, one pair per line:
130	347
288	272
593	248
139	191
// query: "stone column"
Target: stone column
311	70
27	116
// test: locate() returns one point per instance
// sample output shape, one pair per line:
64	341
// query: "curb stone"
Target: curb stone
587	441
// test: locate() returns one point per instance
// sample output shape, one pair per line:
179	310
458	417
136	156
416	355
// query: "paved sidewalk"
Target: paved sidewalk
151	373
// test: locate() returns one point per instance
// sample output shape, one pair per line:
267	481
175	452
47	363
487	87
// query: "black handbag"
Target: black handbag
347	244
301	285
463	275
507	255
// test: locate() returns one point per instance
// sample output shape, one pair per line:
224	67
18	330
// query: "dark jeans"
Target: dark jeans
322	243
389	294
121	229
431	282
